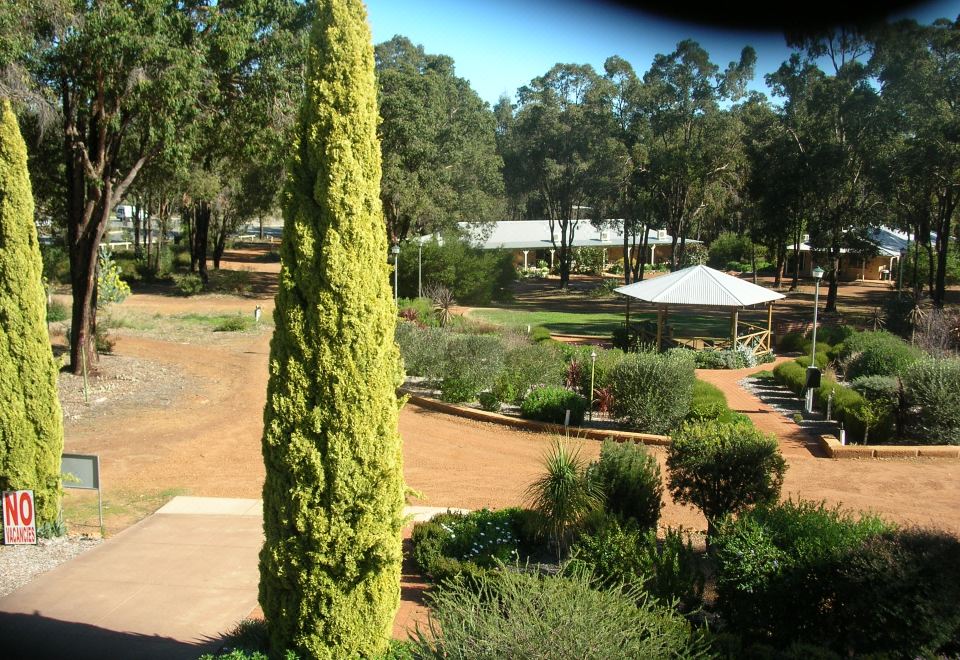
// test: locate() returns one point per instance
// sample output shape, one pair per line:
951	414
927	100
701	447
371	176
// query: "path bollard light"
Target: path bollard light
257	312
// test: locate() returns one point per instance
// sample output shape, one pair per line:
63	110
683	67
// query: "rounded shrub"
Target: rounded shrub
932	390
823	356
652	391
189	284
470	364
489	401
723	468
550	404
877	353
793	342
629	477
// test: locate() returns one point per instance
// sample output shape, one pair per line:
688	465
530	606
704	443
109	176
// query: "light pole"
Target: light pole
817	276
593	364
396	271
420	268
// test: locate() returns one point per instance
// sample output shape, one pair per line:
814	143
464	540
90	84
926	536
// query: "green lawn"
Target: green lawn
601	324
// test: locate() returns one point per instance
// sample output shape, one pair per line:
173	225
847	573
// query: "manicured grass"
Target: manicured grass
602	324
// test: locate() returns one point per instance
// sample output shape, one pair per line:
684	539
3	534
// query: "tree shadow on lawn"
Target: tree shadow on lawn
35	637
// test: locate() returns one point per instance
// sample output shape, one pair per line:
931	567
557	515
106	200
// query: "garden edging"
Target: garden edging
530	425
834	449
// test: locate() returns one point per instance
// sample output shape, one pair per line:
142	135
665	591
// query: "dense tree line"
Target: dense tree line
862	131
186	108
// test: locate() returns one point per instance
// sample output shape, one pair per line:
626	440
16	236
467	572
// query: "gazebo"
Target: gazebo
701	287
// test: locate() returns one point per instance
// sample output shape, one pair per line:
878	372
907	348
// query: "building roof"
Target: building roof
889	242
535	235
699	286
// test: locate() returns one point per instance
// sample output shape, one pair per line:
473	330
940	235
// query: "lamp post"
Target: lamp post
396	271
593	364
817	276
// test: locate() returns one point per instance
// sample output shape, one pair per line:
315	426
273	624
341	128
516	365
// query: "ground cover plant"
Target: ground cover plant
517	615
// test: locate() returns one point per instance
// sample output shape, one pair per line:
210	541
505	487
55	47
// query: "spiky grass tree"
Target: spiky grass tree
31	425
333	495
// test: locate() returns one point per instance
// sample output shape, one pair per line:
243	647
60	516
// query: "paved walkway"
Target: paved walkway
169	587
795	442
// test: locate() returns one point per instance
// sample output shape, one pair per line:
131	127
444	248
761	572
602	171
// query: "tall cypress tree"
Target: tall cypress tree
333	496
31	424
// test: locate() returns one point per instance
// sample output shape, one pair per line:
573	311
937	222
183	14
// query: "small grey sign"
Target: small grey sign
80	471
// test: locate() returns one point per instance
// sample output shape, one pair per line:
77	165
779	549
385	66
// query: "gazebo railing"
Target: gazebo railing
757	339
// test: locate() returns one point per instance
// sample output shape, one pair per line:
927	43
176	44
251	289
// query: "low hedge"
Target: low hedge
550	404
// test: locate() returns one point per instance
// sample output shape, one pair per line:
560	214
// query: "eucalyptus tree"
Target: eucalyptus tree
694	147
837	125
437	136
125	77
919	68
556	150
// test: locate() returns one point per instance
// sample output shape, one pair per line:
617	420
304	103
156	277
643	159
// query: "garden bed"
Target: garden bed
600	428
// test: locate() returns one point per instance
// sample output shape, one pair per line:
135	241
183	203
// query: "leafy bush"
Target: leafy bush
579	377
474	276
724	468
539	334
563	496
652	391
232	324
485	538
709	402
189	284
525	367
877	354
800	571
794	342
230	281
629	477
823	358
882	399
517	615
110	288
423	350
470	363
731	246
549	404
417	309
933	394
56	263
833	334
489	401
669	570
57	311
588	260
897	594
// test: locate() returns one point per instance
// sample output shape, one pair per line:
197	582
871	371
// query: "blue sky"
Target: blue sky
500	45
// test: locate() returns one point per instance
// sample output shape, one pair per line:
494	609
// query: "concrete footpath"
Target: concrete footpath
169	587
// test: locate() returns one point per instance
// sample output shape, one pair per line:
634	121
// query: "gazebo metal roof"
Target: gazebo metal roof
700	286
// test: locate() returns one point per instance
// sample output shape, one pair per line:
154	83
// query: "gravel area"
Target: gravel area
21	563
788	404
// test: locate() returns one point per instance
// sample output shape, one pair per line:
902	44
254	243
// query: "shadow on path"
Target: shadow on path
36	637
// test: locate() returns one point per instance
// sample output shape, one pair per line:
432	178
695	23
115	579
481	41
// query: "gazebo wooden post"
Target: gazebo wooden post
660	313
770	326
734	321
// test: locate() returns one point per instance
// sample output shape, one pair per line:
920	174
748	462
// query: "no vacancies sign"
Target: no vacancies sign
19	523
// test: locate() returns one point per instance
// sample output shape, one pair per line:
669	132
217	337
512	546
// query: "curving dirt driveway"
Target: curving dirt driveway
205	439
